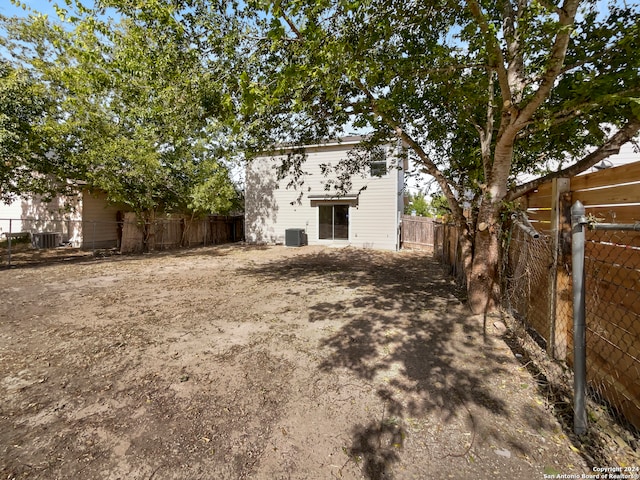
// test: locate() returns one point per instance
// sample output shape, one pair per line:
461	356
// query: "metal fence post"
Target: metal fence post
578	221
9	245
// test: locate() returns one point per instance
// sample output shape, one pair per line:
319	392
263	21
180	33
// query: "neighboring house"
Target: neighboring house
84	220
367	216
628	154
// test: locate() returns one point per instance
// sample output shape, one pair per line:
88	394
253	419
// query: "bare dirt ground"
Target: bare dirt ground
264	363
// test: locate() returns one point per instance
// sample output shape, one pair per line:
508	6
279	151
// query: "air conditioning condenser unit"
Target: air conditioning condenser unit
295	237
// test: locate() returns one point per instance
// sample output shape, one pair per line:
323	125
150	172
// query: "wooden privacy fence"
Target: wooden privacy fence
540	270
23	240
417	232
537	277
178	231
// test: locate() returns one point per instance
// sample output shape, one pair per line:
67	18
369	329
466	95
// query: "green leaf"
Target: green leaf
551	471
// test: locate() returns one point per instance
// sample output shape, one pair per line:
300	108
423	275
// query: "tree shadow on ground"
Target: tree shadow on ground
35	258
402	330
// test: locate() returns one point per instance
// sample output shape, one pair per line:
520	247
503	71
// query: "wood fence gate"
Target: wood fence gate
417	232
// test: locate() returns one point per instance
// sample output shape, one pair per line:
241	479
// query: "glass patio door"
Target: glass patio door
333	222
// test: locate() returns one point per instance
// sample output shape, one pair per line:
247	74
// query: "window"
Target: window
333	222
378	162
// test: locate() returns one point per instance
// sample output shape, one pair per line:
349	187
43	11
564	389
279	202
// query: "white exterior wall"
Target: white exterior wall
271	207
86	220
61	215
11	211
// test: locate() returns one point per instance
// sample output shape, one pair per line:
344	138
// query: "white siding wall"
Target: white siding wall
270	211
86	220
61	215
13	212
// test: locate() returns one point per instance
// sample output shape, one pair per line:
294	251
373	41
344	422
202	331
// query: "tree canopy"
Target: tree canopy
137	115
422	206
451	78
23	106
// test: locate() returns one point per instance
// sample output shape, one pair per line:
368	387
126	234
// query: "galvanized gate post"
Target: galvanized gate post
9	245
578	221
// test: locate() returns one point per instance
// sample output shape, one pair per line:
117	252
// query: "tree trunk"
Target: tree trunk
483	287
465	244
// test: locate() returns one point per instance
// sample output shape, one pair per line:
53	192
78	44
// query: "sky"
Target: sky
43	6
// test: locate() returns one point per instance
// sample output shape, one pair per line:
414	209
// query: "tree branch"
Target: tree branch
576	111
591	59
453	68
515	59
610	147
267	39
494	48
428	164
554	66
549	5
487	135
292	26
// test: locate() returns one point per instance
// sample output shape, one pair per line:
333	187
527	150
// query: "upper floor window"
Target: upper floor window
378	163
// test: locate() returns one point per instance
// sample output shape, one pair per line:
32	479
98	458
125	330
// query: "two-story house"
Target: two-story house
366	215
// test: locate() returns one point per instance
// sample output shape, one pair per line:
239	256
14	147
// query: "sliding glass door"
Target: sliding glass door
333	222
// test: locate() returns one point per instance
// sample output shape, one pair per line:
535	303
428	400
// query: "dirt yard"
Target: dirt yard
262	363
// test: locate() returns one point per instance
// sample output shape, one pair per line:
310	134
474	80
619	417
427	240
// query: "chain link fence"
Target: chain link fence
612	318
27	241
591	365
537	279
526	277
536	285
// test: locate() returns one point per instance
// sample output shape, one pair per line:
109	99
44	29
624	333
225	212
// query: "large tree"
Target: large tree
138	114
480	91
25	107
